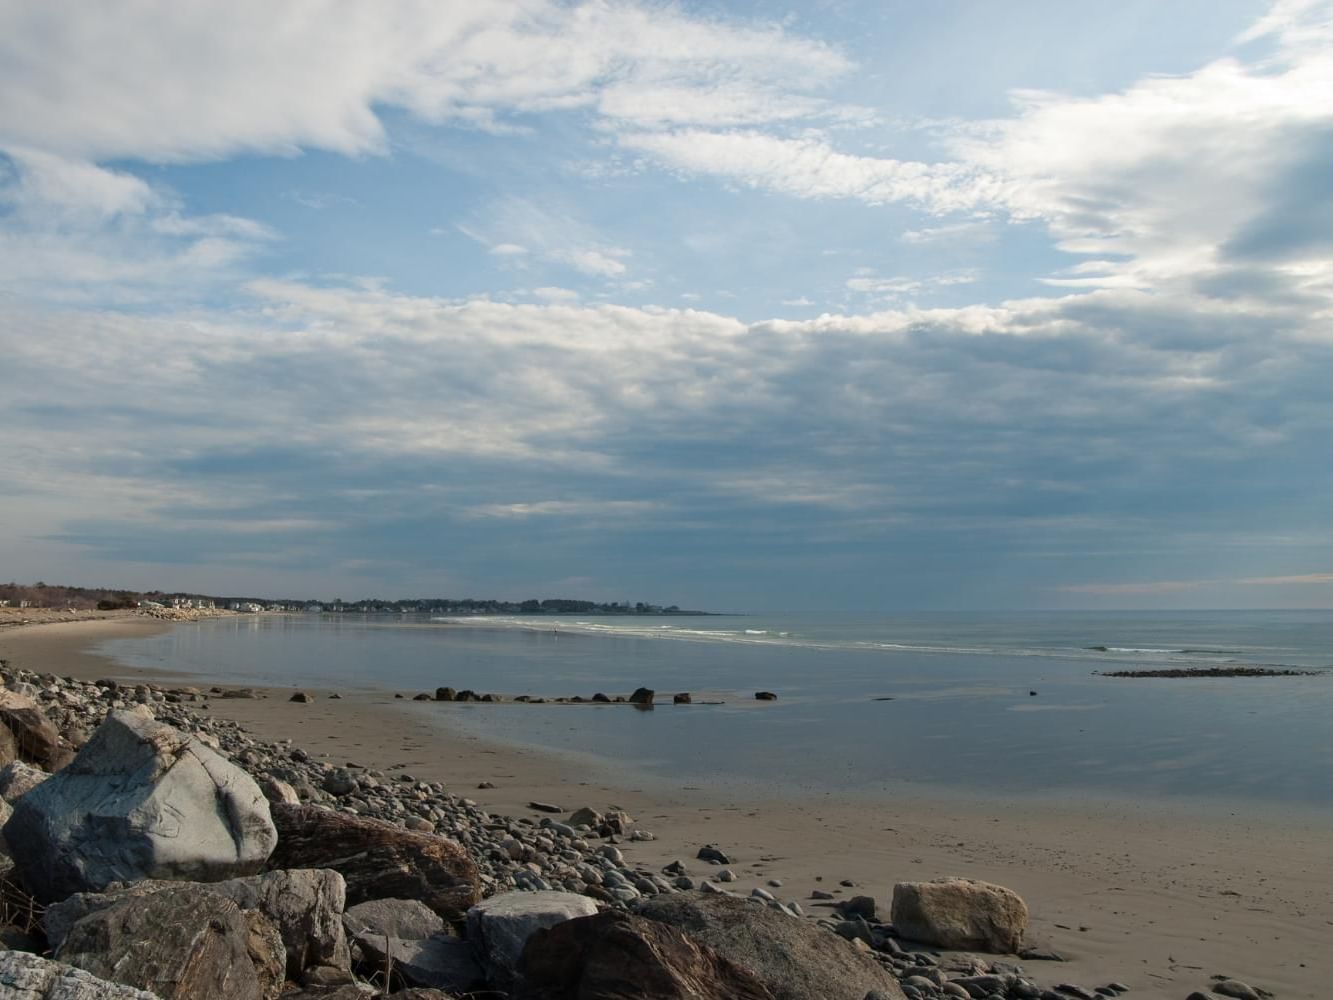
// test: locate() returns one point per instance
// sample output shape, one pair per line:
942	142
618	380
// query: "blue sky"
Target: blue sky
839	304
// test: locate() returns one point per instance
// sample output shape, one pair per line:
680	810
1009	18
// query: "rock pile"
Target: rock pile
177	855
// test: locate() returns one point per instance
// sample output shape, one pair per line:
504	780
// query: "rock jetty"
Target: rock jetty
167	854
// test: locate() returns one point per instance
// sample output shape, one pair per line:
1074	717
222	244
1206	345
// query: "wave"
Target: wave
656	629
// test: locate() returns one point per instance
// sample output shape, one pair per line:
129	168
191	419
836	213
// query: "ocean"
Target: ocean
1012	704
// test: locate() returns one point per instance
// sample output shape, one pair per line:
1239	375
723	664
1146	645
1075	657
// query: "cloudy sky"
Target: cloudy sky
861	303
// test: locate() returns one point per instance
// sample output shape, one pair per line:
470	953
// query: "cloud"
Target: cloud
515	229
810	168
164	83
604	263
75	231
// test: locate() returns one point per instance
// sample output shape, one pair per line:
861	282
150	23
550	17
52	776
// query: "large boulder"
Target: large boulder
306	907
961	914
499	927
182	943
29	977
141	800
617	956
35	737
378	860
793	959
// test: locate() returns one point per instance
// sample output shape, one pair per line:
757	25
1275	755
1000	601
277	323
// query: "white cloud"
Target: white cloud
75	231
508	250
605	263
810	168
167	82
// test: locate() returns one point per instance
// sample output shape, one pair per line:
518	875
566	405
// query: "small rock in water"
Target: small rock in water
765	696
642	696
681	699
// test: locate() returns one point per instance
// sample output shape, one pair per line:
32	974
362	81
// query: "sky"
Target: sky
868	305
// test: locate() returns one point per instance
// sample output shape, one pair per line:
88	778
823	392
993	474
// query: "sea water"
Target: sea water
1008	704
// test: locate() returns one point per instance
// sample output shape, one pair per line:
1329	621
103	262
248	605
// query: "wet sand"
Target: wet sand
1143	894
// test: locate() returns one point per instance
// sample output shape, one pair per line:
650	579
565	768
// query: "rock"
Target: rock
423	696
9	746
1235	988
794	959
29	977
642	696
301	697
858	906
1040	954
141	800
615	956
498	927
683	698
376	859
182	942
276	790
437	962
305	906
545	807
445	694
400	918
586	817
765	696
960	914
36	738
711	854
18	779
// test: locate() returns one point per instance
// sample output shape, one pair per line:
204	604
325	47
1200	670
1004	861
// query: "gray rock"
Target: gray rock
180	943
437	962
408	919
35	737
18	778
642	696
1235	988
29	977
499	927
141	800
305	905
960	914
792	958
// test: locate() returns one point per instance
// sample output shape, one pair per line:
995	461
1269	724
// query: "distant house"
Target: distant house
313	609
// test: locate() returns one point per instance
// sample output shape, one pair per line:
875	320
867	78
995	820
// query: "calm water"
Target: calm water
961	717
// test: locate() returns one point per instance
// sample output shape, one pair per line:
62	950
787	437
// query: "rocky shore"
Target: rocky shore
155	851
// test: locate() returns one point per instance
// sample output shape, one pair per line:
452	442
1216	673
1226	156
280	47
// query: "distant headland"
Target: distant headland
43	595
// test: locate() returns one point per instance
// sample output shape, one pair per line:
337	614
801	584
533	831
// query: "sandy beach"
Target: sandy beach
1157	900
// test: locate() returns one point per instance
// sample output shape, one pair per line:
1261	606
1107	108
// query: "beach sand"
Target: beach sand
1140	894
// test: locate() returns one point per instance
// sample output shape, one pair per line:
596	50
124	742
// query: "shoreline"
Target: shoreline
1124	892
